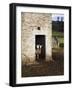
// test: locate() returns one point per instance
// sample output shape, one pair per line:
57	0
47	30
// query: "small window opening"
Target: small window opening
38	28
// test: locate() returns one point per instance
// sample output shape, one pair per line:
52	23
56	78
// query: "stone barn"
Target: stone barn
36	37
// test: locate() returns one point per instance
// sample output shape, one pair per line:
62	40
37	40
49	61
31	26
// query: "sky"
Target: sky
55	16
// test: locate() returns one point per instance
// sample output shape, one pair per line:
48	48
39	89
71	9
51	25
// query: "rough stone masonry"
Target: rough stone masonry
29	28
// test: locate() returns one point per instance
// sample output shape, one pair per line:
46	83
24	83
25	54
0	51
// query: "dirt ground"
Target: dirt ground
51	68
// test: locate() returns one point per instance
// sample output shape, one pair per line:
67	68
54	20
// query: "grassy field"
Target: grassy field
59	35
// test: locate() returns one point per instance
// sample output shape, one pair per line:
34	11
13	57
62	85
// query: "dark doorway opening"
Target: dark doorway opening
40	47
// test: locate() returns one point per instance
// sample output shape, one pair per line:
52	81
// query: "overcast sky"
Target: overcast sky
54	17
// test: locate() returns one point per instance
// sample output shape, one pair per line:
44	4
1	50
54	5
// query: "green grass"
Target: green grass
57	34
61	40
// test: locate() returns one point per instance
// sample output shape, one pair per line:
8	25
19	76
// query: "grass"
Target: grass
57	34
61	40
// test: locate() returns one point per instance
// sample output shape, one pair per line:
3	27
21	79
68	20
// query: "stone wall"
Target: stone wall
29	24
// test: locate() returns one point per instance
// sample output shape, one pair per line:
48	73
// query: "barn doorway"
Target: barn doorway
40	47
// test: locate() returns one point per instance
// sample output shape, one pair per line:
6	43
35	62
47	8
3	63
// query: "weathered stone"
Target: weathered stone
29	24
